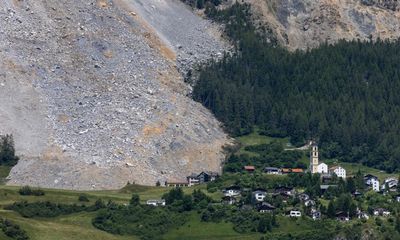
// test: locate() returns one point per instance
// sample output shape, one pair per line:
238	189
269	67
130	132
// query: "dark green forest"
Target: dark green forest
345	96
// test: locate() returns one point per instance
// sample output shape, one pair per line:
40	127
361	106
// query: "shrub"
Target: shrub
83	198
12	230
28	191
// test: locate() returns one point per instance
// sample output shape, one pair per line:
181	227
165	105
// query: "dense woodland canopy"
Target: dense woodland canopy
346	95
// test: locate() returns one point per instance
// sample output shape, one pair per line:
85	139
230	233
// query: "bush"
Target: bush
12	230
139	220
28	191
83	198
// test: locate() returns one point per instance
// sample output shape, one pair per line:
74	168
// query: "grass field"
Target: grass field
4	171
78	226
256	139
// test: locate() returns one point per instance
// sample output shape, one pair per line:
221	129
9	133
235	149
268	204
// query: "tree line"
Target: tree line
343	95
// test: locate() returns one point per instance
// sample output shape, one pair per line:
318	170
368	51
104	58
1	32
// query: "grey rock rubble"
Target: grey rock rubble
92	102
194	41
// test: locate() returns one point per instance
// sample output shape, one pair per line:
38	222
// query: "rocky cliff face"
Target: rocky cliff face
92	93
302	24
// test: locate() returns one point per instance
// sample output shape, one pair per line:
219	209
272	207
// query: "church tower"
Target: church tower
314	158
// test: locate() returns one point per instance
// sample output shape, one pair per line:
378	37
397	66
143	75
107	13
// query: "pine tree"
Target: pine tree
331	211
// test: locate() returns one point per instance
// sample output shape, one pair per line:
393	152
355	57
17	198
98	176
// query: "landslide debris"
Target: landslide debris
91	92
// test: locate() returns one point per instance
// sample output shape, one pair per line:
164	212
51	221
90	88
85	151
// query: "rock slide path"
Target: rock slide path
92	93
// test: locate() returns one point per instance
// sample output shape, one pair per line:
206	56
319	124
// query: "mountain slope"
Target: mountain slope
302	24
93	98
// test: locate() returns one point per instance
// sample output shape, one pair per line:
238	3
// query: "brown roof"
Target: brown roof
285	170
249	168
297	170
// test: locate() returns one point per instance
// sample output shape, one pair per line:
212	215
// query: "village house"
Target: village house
249	169
259	194
362	215
265	208
207	176
372	182
397	198
295	213
272	171
228	200
391	183
309	203
357	193
315	214
339	171
156	202
304	197
203	177
297	170
291	170
193	180
176	184
286	190
232	191
381	212
342	216
322	168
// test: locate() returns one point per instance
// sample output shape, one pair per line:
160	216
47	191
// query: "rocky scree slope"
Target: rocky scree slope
91	92
302	24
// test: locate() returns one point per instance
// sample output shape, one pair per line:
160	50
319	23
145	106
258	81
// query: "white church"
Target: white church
322	168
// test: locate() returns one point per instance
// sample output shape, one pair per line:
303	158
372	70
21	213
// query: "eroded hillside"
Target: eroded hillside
91	92
302	24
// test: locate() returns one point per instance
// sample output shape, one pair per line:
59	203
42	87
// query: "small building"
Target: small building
228	200
286	170
265	208
232	191
203	177
391	183
309	203
381	212
372	181
249	169
304	197
286	190
339	171
397	198
272	171
176	184
342	216
295	213
193	180
207	176
362	215
326	178
315	215
357	193
322	168
297	170
259	195
156	202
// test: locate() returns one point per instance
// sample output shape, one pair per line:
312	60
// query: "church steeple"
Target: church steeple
314	161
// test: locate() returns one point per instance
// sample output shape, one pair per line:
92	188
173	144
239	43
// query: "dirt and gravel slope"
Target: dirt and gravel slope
302	24
92	93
